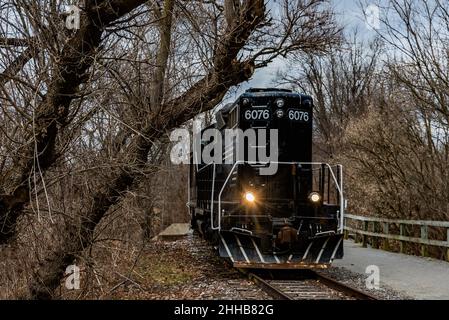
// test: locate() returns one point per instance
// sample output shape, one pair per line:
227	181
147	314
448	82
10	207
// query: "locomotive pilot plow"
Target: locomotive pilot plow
245	252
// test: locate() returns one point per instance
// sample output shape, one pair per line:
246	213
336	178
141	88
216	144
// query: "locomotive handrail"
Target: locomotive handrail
339	186
219	197
212	203
401	237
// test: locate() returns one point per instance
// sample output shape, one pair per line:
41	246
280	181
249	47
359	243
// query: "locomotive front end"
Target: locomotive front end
290	217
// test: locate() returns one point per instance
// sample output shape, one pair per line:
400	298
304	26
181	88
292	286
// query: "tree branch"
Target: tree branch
202	96
76	58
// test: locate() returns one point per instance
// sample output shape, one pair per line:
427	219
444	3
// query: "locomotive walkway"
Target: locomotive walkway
418	277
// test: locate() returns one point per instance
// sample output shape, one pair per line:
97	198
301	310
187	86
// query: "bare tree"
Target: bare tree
105	100
342	83
50	115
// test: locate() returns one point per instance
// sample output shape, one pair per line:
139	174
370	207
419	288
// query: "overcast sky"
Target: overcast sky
349	13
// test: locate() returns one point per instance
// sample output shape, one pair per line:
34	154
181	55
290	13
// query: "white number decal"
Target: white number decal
257	114
266	114
298	115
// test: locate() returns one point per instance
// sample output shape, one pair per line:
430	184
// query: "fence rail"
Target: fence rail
401	237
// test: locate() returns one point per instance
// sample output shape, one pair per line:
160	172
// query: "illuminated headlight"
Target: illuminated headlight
249	196
280	103
279	113
315	197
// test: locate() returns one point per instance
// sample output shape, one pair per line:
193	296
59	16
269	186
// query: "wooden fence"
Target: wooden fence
385	234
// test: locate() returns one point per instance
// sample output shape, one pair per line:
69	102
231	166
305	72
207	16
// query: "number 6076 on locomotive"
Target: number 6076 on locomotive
290	219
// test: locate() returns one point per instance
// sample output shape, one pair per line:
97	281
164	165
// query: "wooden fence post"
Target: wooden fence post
345	231
447	248
357	235
385	245
402	233
375	240
424	236
364	237
379	235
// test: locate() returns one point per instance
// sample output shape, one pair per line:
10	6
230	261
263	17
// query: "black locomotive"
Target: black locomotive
289	218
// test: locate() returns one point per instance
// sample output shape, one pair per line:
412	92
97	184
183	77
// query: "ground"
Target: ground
188	268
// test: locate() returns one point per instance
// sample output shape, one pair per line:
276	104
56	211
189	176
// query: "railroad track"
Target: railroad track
305	285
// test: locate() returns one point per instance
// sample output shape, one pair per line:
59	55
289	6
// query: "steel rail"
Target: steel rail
274	289
268	288
342	287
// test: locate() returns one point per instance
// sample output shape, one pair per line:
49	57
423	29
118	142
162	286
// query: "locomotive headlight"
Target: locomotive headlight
249	196
315	197
280	103
279	113
246	102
